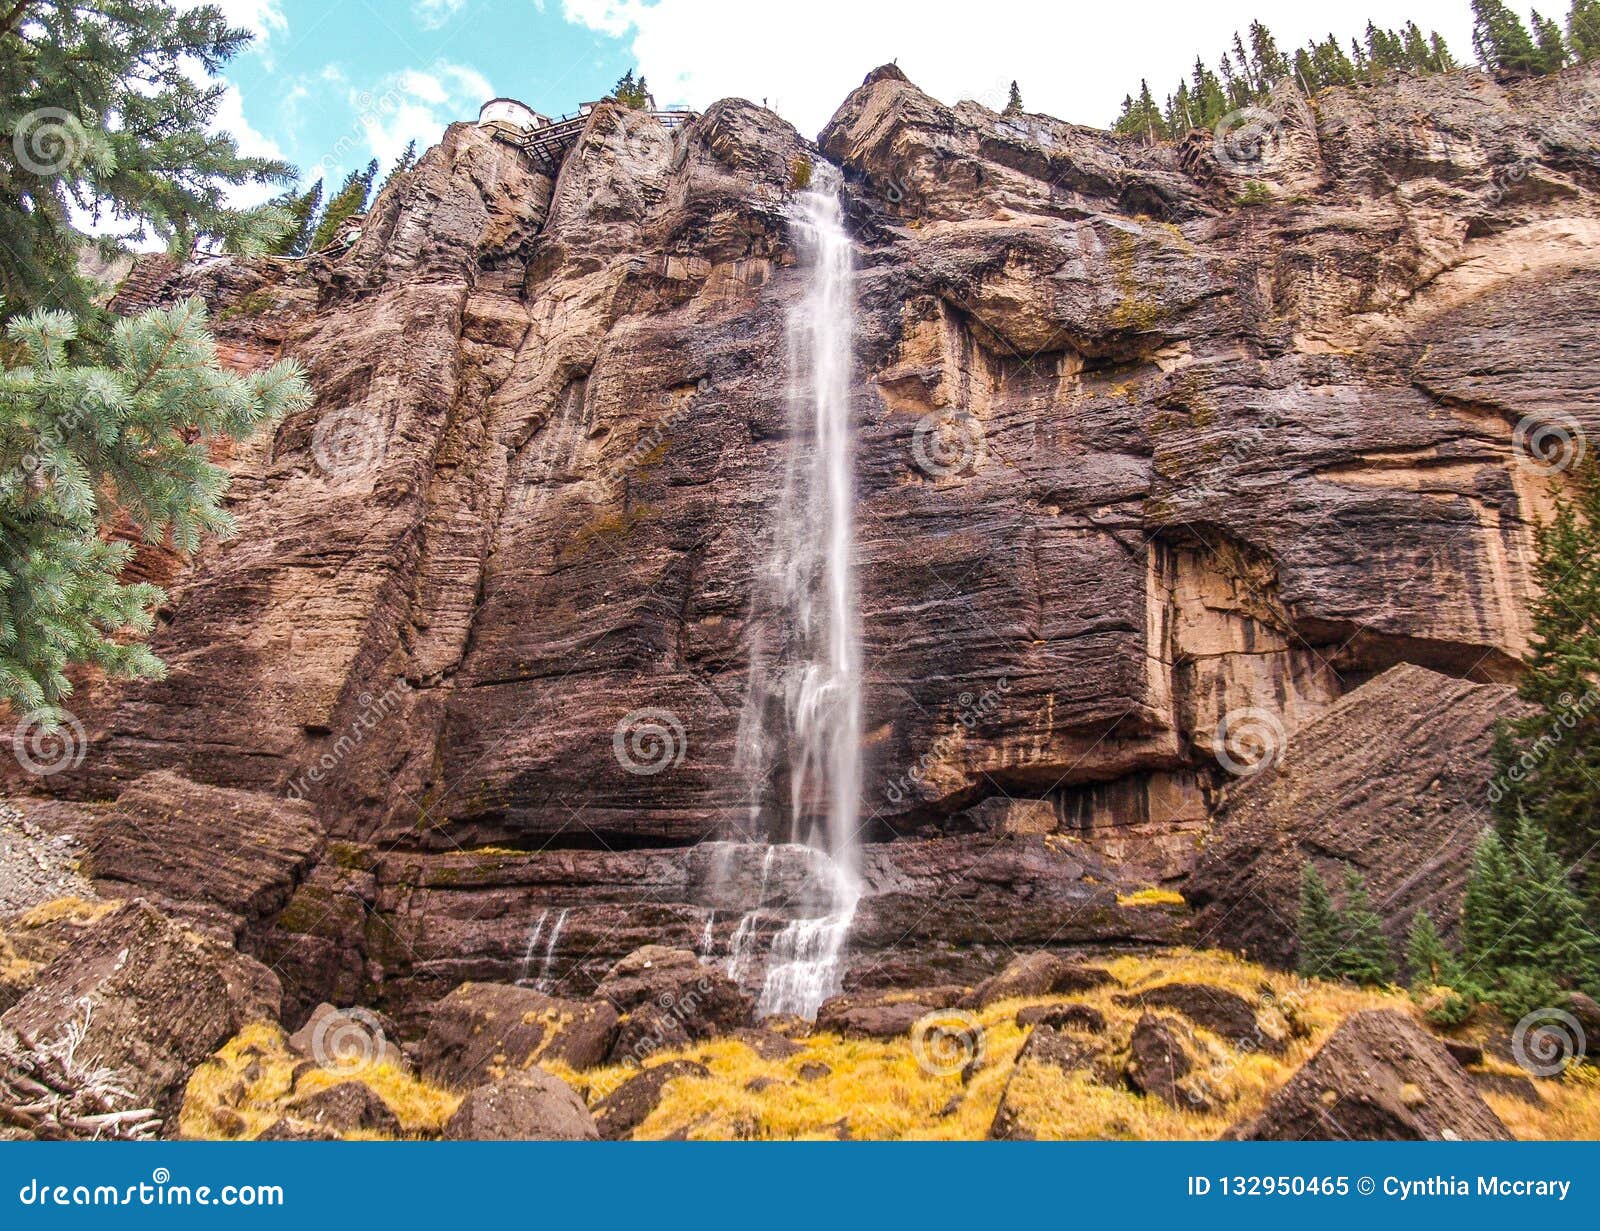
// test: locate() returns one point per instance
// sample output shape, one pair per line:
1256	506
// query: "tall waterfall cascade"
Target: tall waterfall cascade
800	733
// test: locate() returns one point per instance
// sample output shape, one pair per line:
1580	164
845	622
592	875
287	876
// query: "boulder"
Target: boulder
350	1038
645	1031
485	1030
1159	1061
1037	974
528	1105
149	998
701	998
768	1044
287	1128
883	1015
631	1103
1587	1014
1226	1014
1379	1077
1062	1017
345	1107
185	844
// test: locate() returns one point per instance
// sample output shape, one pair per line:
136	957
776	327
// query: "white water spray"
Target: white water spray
550	952
531	947
802	718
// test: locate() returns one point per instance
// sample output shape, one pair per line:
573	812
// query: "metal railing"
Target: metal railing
548	145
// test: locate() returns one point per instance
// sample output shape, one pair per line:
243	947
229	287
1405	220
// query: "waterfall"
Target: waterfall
802	720
531	947
550	952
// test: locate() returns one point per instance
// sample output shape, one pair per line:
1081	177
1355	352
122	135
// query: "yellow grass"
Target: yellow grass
70	910
1151	897
247	1087
1570	1110
877	1089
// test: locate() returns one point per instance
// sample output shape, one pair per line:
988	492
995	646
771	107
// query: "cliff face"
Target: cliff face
1147	477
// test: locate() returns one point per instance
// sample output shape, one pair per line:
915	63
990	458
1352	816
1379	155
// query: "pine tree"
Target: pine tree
1500	40
1384	51
81	443
1366	957
350	200
1268	63
302	210
1524	927
1305	72
1014	101
101	115
632	92
403	164
1210	103
110	110
1414	49
1583	29
1236	88
1320	934
1140	116
1428	962
1341	942
1547	763
1333	65
1361	60
1524	931
1180	112
1552	47
1439	60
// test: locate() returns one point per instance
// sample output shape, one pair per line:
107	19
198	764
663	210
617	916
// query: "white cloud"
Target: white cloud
230	119
1073	60
410	105
261	17
433	14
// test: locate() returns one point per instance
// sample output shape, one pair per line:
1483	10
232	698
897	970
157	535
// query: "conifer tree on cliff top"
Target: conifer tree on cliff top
102	114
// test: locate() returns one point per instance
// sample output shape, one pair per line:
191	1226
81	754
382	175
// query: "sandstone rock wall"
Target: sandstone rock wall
1132	458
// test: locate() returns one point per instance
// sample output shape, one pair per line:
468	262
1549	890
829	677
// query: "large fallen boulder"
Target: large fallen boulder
190	846
1390	780
1226	1014
1037	974
1158	1062
487	1030
700	998
883	1015
630	1104
346	1107
140	1000
530	1105
1379	1077
348	1039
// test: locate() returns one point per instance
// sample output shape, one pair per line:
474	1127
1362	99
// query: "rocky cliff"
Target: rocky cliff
1161	453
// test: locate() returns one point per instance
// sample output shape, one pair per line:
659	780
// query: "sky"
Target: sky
328	84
